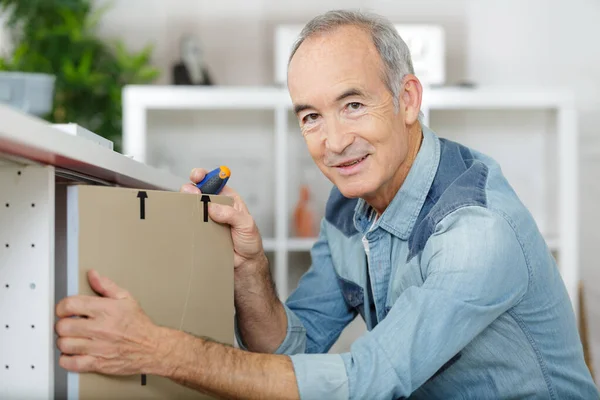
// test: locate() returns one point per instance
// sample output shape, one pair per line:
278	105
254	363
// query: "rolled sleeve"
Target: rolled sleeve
321	376
295	338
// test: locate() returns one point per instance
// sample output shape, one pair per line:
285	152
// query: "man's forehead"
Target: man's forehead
327	60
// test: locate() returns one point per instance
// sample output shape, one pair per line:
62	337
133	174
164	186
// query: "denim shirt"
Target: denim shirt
459	292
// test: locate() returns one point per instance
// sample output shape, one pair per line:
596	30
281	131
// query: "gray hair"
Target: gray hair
394	52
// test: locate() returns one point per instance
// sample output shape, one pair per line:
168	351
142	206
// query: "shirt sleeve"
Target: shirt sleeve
474	270
316	310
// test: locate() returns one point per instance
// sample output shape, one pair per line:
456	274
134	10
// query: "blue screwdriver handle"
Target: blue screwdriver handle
214	181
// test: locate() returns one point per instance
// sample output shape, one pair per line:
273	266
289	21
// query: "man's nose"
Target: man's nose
338	137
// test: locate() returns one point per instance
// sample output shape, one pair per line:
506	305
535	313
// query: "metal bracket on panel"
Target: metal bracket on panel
68	176
77	130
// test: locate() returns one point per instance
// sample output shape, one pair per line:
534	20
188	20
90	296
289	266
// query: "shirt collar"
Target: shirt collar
400	216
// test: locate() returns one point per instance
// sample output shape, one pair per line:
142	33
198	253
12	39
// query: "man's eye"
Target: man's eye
310	117
354	106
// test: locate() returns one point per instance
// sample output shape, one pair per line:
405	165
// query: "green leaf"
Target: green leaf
19	53
57	36
5	65
85	63
146	74
69	71
94	18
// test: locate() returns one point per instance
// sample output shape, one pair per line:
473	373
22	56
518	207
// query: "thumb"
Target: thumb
106	287
228	215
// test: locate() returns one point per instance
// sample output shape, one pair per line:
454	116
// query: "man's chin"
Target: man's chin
353	191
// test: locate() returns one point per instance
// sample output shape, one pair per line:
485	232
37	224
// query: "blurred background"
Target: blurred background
193	83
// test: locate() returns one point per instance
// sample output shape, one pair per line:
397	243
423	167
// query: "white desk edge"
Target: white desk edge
35	140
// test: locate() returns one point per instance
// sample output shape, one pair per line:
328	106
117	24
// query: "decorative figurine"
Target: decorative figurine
304	218
191	69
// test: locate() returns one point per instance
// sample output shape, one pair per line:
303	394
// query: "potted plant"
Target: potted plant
58	38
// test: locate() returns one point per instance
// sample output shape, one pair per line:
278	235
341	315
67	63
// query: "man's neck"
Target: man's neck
384	197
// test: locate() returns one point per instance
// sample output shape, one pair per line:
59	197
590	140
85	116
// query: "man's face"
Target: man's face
346	112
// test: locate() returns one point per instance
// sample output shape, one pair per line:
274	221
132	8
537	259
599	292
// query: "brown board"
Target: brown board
162	248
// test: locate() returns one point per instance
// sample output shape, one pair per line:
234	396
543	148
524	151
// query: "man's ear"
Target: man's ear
412	93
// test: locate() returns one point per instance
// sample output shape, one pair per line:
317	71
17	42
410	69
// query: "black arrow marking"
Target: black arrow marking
142	196
205	199
143	379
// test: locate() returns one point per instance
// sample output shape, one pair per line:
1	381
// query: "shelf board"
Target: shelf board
494	97
173	97
292	244
165	97
269	244
300	244
305	244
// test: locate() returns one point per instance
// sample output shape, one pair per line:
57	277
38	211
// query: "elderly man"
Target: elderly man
423	237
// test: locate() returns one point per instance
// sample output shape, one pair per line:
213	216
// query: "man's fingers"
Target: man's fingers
75	327
87	306
229	191
106	287
237	199
77	363
75	345
239	220
198	174
223	214
189	188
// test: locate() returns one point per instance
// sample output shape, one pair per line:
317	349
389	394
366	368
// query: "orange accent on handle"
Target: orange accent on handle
225	172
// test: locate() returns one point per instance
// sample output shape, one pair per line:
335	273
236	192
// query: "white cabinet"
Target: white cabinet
532	132
37	161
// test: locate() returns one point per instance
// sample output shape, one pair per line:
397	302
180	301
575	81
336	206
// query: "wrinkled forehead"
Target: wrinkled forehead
327	61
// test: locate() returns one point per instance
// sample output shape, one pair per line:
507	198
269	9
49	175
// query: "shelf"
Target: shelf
306	244
496	98
300	244
207	97
267	134
295	244
270	97
269	244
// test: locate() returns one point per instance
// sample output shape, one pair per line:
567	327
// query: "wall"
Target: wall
502	42
238	34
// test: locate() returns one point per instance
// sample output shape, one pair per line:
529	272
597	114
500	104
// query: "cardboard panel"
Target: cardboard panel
159	246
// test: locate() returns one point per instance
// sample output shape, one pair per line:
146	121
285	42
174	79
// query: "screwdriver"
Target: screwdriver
214	181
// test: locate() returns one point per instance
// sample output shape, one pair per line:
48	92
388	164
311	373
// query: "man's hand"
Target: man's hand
261	317
112	335
109	334
247	243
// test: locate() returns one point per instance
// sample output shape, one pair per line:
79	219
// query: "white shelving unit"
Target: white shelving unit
543	168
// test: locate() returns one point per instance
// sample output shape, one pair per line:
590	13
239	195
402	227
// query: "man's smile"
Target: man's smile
351	167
